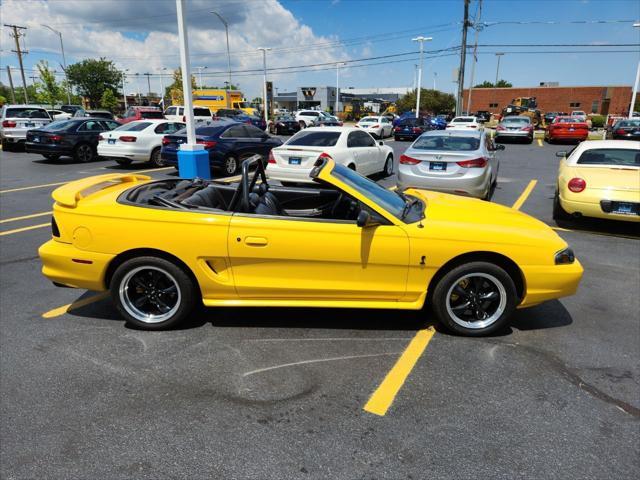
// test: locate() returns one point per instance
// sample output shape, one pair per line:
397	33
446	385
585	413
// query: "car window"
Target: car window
447	143
201	112
62	125
254	132
170	111
462	120
151	114
314	139
365	139
109	125
133	126
169	127
629	123
408	122
26	113
369	120
91	126
610	156
566	120
385	120
236	131
129	112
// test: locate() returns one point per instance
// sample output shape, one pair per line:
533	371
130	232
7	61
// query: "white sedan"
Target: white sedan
140	140
378	126
348	146
464	123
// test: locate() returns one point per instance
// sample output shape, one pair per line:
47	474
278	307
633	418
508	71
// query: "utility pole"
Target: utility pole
435	75
420	39
64	61
337	87
13	93
463	57
124	88
16	35
226	29
635	84
148	84
264	51
162	86
477	26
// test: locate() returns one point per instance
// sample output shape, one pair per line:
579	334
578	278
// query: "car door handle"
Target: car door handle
256	241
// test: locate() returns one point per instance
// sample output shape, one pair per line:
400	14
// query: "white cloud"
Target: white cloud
141	35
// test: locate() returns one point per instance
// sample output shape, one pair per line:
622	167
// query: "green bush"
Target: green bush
597	121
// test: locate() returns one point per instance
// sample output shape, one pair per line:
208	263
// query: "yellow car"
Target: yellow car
163	247
599	179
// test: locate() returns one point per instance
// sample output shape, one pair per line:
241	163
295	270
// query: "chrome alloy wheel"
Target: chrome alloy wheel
476	300
150	294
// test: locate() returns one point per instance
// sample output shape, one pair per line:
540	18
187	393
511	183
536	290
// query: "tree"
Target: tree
504	84
92	77
485	84
432	101
48	89
500	84
108	101
174	91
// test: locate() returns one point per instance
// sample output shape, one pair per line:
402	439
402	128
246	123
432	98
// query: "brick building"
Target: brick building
603	100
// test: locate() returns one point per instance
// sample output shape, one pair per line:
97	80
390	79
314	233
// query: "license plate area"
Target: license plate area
438	166
36	139
623	208
295	160
29	124
111	141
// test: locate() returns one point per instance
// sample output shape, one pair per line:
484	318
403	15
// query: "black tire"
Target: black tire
231	166
84	153
530	140
51	156
397	139
352	167
156	158
559	213
123	161
168	285
7	146
469	279
387	170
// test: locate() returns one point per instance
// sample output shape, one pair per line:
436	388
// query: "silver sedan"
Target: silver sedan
462	162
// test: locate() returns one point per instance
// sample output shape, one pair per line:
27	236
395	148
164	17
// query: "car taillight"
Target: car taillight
127	138
8	124
166	140
473	126
500	128
417	130
184	118
375	126
207	143
100	138
527	128
475	163
406	160
577	185
248	122
272	159
323	156
340	124
397	129
620	131
55	138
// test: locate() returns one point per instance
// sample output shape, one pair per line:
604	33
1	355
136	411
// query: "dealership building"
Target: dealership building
614	100
324	98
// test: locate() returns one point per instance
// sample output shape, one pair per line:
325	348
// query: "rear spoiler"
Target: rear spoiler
71	193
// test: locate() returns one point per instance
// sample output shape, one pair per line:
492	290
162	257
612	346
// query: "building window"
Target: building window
594	106
574	104
493	105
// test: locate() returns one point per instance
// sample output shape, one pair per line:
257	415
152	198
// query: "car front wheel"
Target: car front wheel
475	299
388	166
153	293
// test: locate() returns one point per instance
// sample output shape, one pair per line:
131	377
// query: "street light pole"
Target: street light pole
264	51
420	39
635	84
162	85
200	76
124	87
338	86
499	54
64	61
435	74
226	30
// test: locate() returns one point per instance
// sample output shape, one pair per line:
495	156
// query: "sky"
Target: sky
308	38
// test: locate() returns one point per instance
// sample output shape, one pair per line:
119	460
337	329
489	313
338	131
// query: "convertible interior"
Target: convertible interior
253	194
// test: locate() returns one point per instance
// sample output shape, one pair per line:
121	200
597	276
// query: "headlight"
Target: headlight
565	256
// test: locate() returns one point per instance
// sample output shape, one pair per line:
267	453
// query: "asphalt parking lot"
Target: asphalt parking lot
281	393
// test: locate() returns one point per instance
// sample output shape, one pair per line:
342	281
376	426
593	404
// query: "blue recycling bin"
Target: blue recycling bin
194	163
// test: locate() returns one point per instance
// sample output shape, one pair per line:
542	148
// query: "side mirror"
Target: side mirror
561	154
365	219
500	146
381	143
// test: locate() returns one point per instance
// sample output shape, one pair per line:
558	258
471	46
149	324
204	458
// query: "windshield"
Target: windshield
447	143
151	114
566	120
26	113
70	108
463	119
523	120
314	139
133	127
243	104
611	156
390	201
369	120
408	121
629	123
201	112
61	125
286	118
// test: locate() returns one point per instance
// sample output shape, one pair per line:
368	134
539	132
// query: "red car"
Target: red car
567	128
140	113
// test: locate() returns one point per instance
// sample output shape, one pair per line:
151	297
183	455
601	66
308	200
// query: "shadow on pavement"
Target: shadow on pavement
602	226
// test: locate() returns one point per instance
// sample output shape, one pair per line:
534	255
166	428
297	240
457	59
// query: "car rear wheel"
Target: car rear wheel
153	293
83	153
7	146
156	158
475	299
388	166
559	213
231	165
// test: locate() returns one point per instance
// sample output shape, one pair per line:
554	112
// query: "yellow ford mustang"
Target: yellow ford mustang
599	179
163	247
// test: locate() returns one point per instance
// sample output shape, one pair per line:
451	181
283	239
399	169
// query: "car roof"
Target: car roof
625	144
453	133
332	129
465	116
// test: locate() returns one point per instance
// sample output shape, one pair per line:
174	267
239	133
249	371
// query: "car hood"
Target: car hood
457	217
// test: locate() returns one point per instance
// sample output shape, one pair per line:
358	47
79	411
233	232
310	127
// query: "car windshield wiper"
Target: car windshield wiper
408	205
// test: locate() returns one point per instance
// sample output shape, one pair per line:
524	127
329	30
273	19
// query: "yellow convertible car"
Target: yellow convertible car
164	247
599	179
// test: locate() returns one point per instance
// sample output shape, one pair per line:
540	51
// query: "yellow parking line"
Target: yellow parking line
540	142
15	219
56	312
524	195
560	229
63	183
384	395
24	229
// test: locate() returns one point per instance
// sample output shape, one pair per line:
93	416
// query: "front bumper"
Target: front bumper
550	282
58	265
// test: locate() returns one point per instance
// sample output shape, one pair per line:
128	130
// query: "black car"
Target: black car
284	125
240	116
411	128
94	114
625	130
483	116
76	137
229	143
550	116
